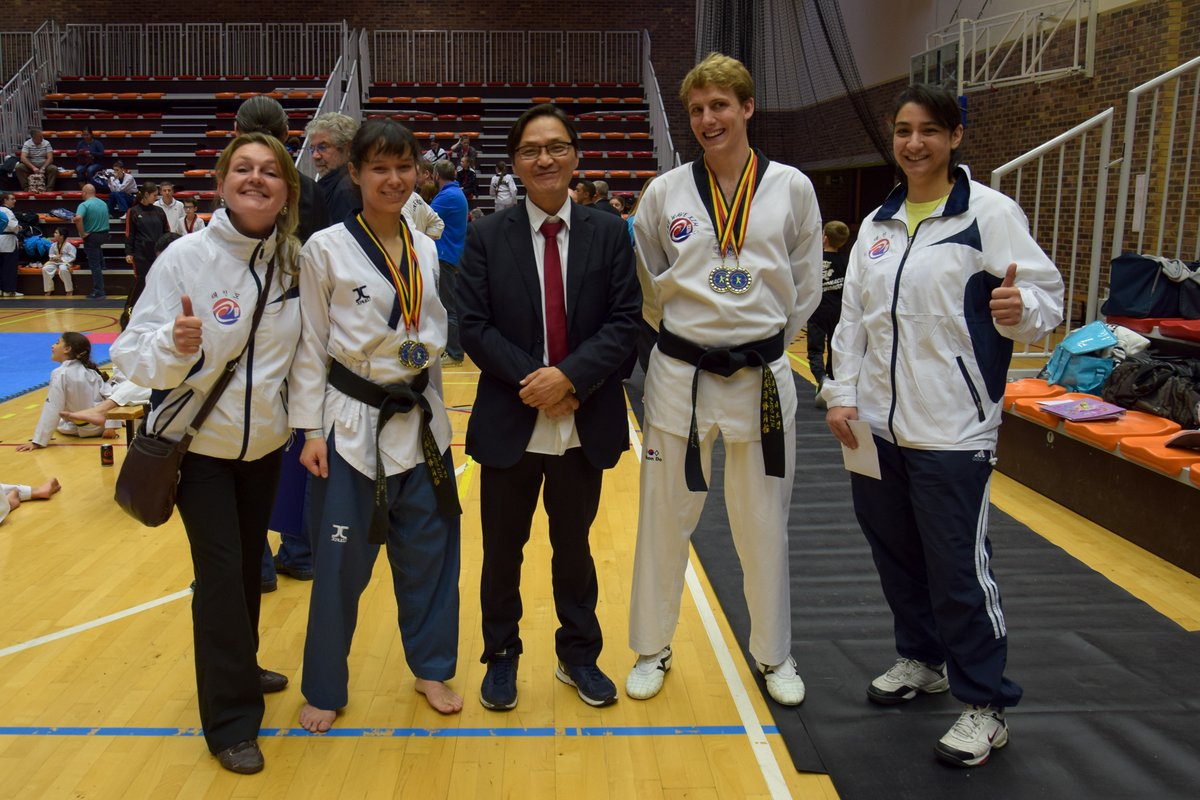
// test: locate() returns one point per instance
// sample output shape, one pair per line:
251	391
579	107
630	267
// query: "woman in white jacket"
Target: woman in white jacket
193	318
943	278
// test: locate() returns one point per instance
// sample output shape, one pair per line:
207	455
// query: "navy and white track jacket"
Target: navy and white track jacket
916	350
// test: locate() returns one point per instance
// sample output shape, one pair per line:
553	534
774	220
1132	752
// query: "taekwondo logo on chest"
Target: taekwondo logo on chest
360	295
879	249
681	227
225	308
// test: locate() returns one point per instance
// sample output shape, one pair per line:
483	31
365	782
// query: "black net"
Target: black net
797	51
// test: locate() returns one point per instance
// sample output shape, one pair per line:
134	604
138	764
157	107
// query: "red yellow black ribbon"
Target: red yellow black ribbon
732	217
406	276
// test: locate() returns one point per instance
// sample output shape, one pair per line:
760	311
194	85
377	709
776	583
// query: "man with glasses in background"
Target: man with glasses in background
549	307
329	137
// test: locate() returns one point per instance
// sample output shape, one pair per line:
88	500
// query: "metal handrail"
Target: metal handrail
1057	146
660	126
1133	98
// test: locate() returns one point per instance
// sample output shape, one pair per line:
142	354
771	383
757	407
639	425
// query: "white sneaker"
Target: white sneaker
904	679
646	678
784	683
15	294
971	739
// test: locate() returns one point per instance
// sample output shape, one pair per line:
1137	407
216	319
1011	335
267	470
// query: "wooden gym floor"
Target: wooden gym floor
97	689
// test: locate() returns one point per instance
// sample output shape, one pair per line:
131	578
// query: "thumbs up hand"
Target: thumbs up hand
1006	304
187	330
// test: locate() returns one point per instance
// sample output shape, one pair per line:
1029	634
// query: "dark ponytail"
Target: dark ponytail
81	351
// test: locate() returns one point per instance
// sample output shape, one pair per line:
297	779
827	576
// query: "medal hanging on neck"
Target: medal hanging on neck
406	277
730	220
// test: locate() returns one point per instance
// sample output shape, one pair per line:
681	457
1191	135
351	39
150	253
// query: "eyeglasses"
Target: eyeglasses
530	152
319	148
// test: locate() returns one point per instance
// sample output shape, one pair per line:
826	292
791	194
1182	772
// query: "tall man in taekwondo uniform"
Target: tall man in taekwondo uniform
731	245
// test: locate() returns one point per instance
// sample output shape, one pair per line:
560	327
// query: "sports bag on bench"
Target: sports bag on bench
1080	362
150	473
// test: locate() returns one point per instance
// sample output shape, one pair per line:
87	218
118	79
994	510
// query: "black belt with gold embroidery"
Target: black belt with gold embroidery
725	361
398	398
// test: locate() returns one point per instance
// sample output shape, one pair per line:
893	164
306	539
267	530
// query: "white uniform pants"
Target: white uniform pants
757	506
49	270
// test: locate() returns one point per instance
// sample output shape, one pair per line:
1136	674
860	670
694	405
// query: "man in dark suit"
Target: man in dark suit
549	307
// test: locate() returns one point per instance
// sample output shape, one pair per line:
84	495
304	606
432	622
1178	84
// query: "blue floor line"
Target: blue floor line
397	733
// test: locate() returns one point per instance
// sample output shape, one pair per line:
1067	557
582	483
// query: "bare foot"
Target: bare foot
87	416
111	433
14	500
48	488
439	696
316	720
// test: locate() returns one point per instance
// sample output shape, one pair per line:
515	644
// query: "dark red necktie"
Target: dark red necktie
556	307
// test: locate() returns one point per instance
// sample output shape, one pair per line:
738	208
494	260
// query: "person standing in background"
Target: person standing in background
824	320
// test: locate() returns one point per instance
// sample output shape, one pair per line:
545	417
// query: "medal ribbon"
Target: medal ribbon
409	285
732	218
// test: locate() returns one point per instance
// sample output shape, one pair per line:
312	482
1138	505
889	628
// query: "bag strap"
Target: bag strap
227	373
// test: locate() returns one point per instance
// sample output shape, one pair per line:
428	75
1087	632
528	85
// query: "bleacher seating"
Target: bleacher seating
1083	465
173	128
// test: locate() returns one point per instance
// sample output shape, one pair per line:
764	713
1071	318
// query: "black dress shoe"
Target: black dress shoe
268	585
243	758
293	572
272	681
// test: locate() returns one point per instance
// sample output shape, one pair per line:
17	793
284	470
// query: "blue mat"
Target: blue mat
25	362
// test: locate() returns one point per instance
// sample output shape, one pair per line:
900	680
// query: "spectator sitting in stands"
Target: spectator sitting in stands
468	180
37	158
618	205
192	222
170	206
463	148
601	198
584	192
58	262
122	189
293	145
88	152
435	153
15	493
329	137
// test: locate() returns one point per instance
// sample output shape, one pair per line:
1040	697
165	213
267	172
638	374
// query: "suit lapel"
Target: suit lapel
577	256
520	241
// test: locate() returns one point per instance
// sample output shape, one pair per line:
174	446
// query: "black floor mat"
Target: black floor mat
1109	704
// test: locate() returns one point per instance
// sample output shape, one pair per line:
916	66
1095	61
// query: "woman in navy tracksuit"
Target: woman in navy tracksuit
943	277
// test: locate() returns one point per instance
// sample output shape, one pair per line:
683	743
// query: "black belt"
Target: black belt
398	398
725	361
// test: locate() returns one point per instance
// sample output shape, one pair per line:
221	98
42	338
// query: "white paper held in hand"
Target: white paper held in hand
864	459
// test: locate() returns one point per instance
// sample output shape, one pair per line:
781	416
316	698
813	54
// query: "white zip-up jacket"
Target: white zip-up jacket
222	272
916	350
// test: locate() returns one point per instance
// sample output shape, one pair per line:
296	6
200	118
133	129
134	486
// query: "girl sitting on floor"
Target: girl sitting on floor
73	386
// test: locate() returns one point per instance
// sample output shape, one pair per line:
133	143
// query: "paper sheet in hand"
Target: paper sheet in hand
865	458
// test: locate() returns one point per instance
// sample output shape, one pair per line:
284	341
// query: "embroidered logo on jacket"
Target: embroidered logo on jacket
339	533
653	454
879	248
360	295
681	227
227	311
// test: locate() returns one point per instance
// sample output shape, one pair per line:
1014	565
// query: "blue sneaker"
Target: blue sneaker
499	689
593	686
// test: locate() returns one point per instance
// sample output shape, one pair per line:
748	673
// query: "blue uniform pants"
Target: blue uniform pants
423	550
926	522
